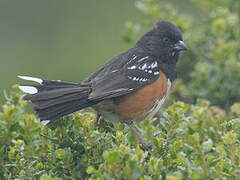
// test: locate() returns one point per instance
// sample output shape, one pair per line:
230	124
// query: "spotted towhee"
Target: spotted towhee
130	87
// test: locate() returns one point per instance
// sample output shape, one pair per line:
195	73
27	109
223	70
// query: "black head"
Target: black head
164	41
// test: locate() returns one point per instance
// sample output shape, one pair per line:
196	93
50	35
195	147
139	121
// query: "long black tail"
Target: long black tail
53	99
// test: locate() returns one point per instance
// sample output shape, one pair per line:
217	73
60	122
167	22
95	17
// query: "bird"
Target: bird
129	88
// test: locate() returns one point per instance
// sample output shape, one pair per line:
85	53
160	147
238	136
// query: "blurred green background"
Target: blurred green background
61	40
58	39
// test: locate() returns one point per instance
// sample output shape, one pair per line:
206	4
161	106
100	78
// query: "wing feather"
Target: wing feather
132	76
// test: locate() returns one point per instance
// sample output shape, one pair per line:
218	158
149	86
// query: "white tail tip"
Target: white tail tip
28	78
45	122
28	89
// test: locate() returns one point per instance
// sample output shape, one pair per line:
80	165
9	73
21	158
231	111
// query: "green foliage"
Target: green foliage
211	68
197	141
193	142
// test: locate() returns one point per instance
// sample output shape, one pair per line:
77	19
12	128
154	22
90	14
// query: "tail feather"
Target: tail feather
42	104
54	108
56	93
53	99
63	110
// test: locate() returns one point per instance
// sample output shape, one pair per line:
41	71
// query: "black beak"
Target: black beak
180	46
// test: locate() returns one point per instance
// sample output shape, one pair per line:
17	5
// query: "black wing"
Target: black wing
136	73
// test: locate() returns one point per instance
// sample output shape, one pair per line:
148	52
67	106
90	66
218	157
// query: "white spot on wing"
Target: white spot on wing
134	57
156	73
142	59
143	67
28	89
28	78
45	122
132	67
153	65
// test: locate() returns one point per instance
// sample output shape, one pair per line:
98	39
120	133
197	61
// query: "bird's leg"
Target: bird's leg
145	145
97	120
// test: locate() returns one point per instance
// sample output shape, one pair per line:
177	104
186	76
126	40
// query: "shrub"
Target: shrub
193	142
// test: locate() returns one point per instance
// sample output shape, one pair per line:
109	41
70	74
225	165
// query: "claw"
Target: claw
147	145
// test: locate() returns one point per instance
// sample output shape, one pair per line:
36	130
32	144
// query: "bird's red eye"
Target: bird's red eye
165	39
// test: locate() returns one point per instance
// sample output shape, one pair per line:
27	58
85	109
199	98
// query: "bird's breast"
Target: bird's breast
136	106
145	102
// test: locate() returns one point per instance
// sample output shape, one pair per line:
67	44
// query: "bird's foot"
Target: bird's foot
146	145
